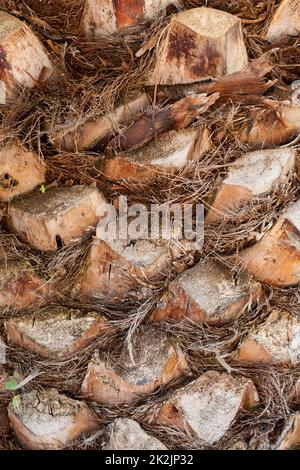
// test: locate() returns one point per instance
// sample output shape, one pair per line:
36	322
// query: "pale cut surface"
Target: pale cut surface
54	201
168	153
120	260
201	43
152	361
212	285
254	175
55	332
150	350
207	21
293	215
109	16
142	253
278	341
20	171
208	405
20	285
24	60
211	292
259	171
127	434
9	24
170	149
286	21
62	214
49	420
275	259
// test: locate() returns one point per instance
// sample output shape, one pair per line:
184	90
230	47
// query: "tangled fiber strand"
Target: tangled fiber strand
93	78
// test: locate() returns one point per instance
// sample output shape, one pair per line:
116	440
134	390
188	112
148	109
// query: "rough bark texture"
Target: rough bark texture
127	434
2	352
109	16
114	266
47	420
274	124
200	44
55	218
155	121
253	176
56	332
276	341
285	22
156	360
169	153
23	60
4	423
159	344
78	137
20	286
20	171
210	292
290	437
207	406
276	258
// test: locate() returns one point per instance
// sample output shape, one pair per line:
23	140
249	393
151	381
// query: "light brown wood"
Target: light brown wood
23	59
253	176
115	266
56	332
154	360
20	286
275	259
55	218
21	170
153	122
285	22
109	16
78	136
46	419
199	44
276	341
207	406
207	293
127	434
276	123
168	154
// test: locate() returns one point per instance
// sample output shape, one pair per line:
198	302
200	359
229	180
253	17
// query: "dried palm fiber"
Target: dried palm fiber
96	77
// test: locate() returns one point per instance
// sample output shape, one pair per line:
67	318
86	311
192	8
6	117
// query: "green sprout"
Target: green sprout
12	384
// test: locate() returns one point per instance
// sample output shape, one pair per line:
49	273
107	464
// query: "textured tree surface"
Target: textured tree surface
21	171
157	361
254	175
109	16
285	22
23	60
127	339
200	44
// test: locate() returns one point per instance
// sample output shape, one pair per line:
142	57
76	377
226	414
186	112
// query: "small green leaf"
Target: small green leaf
11	384
16	402
42	189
